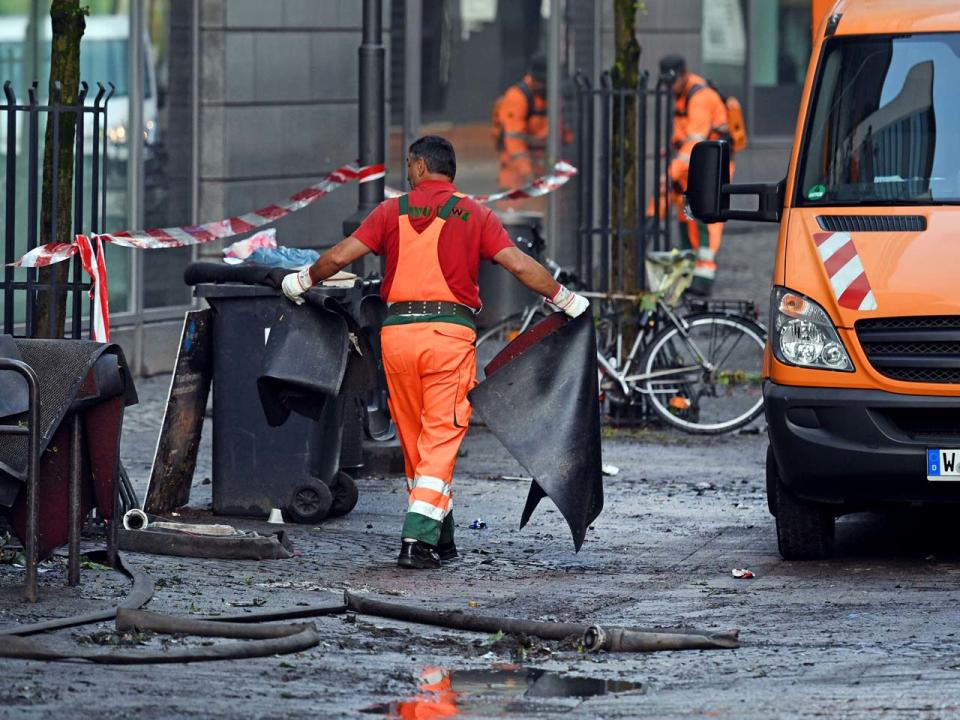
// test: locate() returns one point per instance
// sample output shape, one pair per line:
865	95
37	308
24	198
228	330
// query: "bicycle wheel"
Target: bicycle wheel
716	396
496	338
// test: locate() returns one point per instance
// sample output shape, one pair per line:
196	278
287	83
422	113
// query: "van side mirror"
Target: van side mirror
709	189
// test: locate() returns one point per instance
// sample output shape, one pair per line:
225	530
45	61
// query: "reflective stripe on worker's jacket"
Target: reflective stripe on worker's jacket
430	367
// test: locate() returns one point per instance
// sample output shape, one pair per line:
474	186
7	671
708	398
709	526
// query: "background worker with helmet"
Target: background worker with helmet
433	239
700	113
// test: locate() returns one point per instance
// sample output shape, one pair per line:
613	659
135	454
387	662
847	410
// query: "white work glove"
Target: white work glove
296	284
569	302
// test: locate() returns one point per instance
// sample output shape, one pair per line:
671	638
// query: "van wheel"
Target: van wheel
805	530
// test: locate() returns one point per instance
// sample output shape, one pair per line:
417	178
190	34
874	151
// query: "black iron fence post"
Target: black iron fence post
21	225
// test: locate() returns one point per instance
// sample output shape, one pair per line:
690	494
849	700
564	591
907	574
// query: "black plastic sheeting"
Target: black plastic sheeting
540	398
315	352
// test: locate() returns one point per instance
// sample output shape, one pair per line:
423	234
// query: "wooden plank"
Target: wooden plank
179	441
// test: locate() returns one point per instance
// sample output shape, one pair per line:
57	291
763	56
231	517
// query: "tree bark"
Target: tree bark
68	25
625	164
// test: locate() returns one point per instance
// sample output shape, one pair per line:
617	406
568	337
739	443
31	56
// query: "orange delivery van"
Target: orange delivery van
862	364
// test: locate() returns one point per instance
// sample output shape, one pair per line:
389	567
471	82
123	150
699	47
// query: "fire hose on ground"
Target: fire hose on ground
262	633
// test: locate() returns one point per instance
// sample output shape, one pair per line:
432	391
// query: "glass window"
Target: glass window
780	34
724	46
886	123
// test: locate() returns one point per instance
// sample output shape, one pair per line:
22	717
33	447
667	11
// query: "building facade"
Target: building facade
243	102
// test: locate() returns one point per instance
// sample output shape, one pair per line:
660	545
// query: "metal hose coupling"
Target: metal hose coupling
135	519
597	638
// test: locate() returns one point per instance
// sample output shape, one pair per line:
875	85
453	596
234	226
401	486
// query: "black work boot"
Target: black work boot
418	555
447	551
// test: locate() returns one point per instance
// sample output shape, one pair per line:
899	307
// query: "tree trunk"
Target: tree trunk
623	151
625	215
68	25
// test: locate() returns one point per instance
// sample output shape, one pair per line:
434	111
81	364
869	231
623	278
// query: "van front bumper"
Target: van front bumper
860	448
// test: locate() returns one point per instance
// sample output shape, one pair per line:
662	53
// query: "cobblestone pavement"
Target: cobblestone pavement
871	633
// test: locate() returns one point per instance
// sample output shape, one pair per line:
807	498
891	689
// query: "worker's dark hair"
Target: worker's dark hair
672	65
437	153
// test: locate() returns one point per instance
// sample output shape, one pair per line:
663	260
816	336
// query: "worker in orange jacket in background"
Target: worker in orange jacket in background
433	239
699	114
522	127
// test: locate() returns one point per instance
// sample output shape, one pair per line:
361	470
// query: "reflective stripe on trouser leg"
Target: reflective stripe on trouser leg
706	266
430	501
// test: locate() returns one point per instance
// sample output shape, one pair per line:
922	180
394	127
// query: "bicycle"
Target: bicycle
699	371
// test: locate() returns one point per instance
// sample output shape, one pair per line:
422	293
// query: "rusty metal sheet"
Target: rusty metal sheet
176	455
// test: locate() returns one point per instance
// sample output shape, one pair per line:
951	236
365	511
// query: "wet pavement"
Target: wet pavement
872	633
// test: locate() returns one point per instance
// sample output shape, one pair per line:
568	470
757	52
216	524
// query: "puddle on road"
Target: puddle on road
506	688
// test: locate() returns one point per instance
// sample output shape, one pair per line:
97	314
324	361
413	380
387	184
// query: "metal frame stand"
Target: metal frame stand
33	465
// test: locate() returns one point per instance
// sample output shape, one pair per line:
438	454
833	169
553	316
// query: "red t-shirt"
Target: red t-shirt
471	233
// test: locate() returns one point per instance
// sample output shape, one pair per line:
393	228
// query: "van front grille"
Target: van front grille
913	349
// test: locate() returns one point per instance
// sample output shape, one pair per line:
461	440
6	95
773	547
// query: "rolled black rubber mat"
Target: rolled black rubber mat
540	398
183	544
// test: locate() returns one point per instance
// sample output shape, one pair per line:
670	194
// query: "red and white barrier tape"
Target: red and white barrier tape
94	263
173	237
558	176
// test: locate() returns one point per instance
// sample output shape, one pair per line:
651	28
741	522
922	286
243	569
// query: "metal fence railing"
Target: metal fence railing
21	125
603	144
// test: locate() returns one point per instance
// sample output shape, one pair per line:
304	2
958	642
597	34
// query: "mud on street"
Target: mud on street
871	633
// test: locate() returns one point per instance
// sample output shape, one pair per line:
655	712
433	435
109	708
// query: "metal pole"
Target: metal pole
10	209
412	66
371	111
135	162
554	116
73	522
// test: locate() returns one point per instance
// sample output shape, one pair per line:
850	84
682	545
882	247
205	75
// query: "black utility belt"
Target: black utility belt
432	308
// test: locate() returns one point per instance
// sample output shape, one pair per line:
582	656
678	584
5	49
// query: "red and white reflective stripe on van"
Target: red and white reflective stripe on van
845	270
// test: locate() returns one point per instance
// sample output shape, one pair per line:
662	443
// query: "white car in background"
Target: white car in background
104	57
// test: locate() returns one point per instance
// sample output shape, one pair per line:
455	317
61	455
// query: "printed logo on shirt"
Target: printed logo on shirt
427	211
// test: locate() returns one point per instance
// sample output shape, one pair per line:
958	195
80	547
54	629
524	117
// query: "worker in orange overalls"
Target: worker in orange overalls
433	239
699	114
520	119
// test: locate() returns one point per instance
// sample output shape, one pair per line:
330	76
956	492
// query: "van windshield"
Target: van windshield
885	128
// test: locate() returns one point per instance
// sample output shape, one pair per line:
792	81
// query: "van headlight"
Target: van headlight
803	333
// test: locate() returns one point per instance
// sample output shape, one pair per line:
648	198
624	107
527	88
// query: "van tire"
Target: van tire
805	530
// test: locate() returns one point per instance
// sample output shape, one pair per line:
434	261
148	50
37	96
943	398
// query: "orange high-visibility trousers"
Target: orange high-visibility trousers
430	367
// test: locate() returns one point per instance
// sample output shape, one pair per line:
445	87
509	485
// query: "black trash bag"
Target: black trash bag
540	397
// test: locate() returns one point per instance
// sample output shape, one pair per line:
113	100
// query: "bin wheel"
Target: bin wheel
309	502
345	494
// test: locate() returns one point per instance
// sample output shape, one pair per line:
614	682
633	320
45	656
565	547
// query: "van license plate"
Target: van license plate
943	465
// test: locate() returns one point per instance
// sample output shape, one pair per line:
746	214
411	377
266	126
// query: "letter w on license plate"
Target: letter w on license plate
943	465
